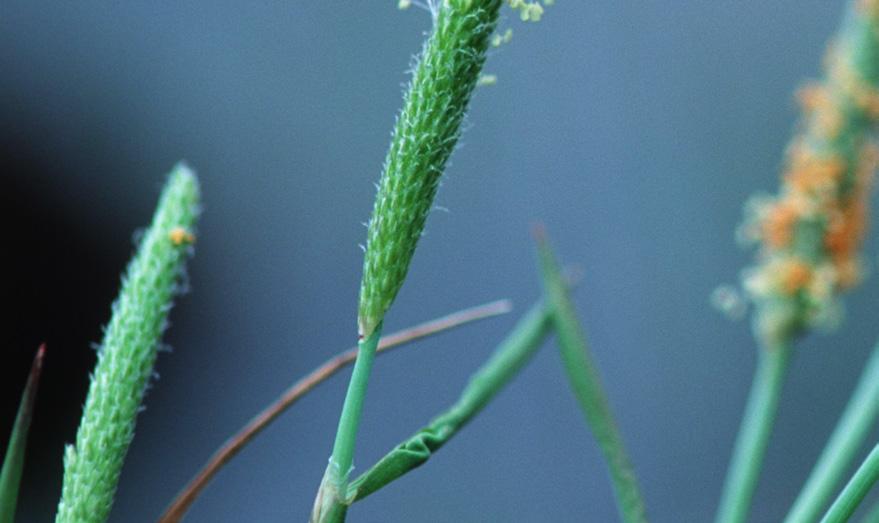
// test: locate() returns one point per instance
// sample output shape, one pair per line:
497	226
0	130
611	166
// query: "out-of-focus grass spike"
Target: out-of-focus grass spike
509	358
127	354
13	462
809	234
586	385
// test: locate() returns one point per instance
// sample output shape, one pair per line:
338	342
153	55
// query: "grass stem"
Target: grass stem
855	491
754	432
853	428
509	358
184	500
332	496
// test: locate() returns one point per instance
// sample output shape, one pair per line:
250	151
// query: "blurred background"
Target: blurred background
634	130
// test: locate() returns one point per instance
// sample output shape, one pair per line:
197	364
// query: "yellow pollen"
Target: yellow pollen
795	275
180	236
777	227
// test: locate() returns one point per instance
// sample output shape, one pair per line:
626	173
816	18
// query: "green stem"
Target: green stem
855	491
507	361
346	435
848	436
586	384
331	502
747	460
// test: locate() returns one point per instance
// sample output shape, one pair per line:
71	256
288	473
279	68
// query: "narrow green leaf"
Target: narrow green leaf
13	462
586	385
509	358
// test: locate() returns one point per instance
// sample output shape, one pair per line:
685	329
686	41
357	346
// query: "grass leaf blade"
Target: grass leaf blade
13	462
586	385
512	354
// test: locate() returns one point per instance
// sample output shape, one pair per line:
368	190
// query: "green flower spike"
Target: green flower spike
427	130
127	354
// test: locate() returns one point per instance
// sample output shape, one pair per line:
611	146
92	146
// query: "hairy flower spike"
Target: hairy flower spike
811	232
425	135
127	354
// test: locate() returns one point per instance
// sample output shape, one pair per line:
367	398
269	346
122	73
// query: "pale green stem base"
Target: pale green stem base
331	502
853	428
853	493
747	460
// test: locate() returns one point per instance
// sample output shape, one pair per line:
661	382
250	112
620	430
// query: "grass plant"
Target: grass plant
808	239
809	234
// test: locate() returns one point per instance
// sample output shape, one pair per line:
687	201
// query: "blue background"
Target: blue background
634	130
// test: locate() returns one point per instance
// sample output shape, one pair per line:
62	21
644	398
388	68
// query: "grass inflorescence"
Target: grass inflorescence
127	354
427	130
810	233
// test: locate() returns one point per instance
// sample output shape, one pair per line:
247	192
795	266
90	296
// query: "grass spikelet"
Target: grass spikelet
810	233
126	356
424	137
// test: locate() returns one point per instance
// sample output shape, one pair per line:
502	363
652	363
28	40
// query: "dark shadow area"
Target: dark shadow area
57	290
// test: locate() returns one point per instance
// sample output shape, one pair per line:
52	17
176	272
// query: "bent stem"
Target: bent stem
747	460
187	496
855	491
509	358
332	496
848	436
